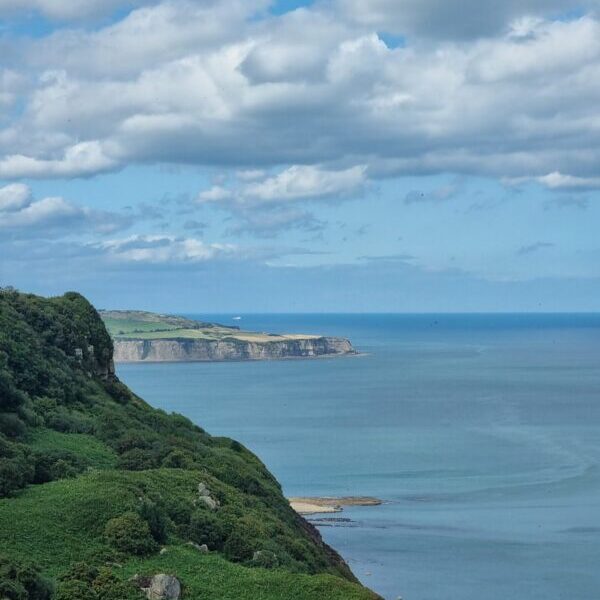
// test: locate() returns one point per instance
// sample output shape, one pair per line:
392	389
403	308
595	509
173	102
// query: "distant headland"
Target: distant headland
140	336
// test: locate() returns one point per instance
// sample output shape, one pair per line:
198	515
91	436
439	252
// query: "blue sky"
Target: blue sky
220	155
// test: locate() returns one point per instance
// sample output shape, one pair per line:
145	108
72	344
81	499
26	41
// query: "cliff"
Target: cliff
143	336
182	350
96	486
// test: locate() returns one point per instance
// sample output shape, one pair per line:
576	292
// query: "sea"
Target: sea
480	433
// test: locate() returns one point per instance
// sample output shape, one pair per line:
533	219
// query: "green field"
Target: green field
139	325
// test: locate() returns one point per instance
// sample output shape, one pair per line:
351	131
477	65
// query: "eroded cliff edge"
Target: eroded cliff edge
188	350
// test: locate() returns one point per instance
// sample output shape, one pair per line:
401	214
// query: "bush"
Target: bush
205	528
16	470
22	581
56	464
137	459
177	459
265	559
129	533
11	426
74	590
83	582
156	518
238	548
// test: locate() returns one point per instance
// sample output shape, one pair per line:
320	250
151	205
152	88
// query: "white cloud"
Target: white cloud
23	216
206	83
558	181
305	183
156	249
296	183
14	197
216	193
85	158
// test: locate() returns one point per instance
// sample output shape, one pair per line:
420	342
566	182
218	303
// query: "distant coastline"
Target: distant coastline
149	337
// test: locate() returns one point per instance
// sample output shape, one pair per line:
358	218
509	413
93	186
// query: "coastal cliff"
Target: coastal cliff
184	350
103	496
140	336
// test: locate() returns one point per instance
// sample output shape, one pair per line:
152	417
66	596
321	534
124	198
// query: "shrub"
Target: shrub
22	581
83	582
205	528
177	459
238	548
11	425
129	533
137	459
109	587
265	559
56	464
180	511
74	590
16	471
156	518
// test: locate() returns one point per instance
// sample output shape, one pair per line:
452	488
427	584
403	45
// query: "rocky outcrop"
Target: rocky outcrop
159	587
186	350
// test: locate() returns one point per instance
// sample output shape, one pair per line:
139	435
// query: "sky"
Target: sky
212	156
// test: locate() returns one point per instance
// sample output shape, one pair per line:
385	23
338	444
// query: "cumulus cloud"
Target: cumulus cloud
207	83
86	158
261	202
456	19
14	197
157	249
296	183
23	216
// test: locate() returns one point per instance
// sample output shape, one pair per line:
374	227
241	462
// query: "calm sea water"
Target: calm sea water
481	433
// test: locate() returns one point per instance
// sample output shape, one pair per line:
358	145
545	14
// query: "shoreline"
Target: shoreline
244	360
305	505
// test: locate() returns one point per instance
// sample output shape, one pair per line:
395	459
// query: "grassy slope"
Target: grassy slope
122	453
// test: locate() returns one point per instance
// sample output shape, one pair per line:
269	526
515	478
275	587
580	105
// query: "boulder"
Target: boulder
159	587
205	498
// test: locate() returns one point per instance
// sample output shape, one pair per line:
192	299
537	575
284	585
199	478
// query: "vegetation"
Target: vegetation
93	481
139	325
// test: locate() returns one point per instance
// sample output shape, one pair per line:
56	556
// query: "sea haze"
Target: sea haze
480	432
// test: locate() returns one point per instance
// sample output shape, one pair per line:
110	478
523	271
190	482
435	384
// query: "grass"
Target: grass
86	446
62	522
132	325
210	577
59	523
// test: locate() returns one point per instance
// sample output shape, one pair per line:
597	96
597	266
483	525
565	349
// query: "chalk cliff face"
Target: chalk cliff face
184	350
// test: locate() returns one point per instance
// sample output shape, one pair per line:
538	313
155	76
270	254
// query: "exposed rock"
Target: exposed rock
188	350
202	548
159	587
163	551
205	498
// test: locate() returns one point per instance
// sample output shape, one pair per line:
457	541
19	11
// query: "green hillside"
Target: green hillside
96	486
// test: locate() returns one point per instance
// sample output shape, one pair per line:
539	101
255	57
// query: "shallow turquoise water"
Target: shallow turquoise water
481	433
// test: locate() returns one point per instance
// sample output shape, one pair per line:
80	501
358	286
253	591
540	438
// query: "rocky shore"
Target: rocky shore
312	506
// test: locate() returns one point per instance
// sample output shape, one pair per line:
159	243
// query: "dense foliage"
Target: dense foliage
21	580
127	479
